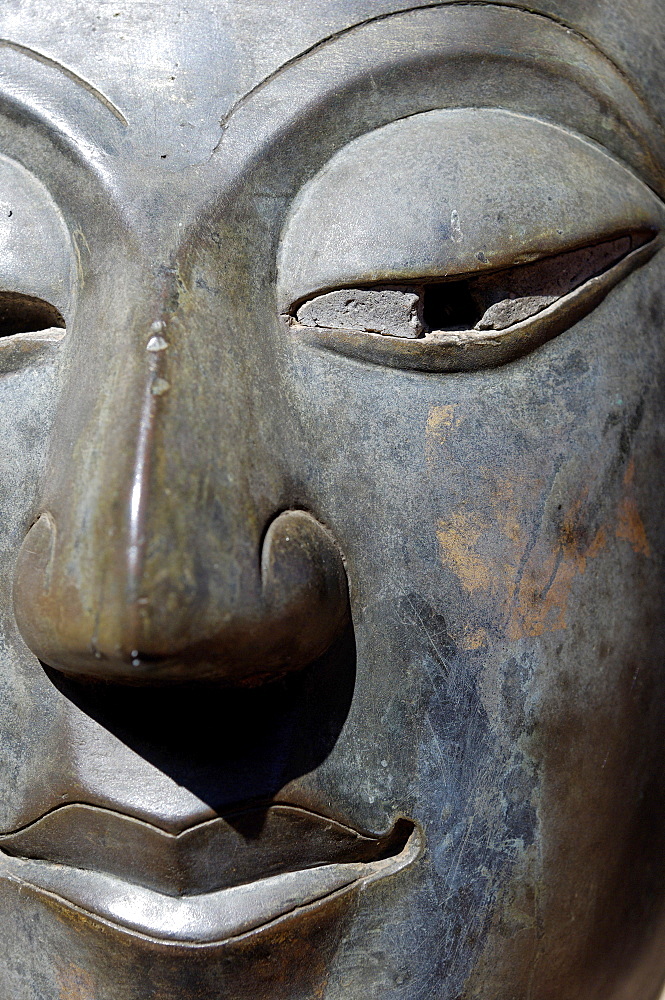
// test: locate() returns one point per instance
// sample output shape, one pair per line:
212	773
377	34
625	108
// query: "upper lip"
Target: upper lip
215	880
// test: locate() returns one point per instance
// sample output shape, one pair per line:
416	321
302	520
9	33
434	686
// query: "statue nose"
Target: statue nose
288	616
164	550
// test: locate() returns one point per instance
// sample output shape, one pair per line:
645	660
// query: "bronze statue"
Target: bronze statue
331	373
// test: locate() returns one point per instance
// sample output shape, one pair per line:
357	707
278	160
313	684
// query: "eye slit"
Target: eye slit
27	314
474	305
499	300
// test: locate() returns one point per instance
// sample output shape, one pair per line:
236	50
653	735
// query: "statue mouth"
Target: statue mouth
226	883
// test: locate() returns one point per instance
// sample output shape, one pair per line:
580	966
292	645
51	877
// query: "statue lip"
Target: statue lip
211	916
215	854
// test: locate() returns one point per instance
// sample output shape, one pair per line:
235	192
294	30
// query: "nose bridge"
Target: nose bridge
139	470
192	527
160	552
162	514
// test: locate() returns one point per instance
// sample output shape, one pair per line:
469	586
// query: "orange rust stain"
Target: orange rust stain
458	535
538	609
597	545
439	422
520	578
75	983
541	602
527	583
474	639
440	417
630	527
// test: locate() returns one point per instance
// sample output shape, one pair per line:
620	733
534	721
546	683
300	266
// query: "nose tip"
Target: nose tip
82	623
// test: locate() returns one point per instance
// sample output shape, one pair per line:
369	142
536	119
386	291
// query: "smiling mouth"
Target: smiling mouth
43	857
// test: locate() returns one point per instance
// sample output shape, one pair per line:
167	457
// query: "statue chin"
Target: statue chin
331	535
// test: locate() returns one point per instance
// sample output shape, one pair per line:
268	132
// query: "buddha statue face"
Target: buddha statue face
331	587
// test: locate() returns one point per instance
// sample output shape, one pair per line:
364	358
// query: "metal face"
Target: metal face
331	536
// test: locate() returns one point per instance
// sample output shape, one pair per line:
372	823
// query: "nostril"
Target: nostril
304	578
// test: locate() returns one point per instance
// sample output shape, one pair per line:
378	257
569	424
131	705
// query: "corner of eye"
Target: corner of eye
288	302
644	234
31	330
289	306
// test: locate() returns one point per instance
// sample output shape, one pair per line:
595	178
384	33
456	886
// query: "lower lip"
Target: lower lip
201	919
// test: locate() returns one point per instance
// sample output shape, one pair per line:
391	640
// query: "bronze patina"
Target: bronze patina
331	575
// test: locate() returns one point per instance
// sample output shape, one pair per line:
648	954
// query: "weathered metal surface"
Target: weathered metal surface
332	657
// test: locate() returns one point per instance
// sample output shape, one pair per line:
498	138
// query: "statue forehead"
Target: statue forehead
192	62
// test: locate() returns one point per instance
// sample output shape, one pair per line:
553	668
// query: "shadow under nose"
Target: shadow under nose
229	746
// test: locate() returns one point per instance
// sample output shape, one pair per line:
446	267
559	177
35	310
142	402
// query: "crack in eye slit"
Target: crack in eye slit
493	301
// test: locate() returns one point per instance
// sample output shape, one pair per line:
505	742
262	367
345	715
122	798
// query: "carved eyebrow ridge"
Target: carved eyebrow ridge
580	77
73	113
70	74
409	9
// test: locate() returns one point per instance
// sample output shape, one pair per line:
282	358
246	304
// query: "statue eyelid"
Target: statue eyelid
458	239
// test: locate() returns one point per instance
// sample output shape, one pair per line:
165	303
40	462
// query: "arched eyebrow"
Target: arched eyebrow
70	74
47	92
570	79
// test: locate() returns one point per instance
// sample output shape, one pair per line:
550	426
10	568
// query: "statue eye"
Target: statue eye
503	299
459	239
38	275
483	315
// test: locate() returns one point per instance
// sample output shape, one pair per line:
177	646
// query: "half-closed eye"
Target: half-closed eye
519	306
38	270
455	240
